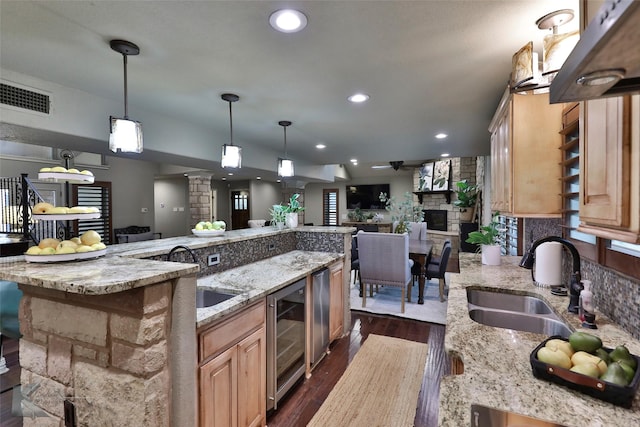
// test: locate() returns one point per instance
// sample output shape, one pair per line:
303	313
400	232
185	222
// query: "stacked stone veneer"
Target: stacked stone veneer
108	354
461	168
200	208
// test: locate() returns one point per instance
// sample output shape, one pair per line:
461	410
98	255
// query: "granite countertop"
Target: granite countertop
256	280
497	371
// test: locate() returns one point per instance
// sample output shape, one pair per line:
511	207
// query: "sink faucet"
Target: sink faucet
186	248
575	286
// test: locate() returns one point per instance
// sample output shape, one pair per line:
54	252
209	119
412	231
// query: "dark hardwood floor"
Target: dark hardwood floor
299	406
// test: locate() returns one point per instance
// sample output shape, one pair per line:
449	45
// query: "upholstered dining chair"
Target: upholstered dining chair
10	297
355	262
384	260
439	271
435	259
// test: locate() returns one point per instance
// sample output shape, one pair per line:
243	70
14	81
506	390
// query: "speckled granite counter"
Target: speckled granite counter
257	280
497	372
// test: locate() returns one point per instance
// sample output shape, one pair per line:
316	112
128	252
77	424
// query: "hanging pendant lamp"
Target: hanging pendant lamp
126	135
231	154
285	165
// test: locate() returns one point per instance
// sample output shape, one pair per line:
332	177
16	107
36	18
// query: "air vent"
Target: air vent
22	98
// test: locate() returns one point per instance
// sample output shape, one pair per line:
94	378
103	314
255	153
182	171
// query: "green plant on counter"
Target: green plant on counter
402	212
293	205
488	234
467	194
278	215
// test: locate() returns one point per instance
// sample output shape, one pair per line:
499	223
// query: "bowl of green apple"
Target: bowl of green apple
209	228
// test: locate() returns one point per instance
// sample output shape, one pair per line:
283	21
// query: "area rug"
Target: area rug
387	301
379	388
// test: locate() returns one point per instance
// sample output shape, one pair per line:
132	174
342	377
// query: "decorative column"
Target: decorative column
200	199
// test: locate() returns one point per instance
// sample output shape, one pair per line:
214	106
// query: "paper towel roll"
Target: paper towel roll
548	265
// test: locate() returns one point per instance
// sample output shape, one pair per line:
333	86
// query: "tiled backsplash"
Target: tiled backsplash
615	295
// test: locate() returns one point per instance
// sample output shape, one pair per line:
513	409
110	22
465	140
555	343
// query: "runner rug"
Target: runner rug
379	388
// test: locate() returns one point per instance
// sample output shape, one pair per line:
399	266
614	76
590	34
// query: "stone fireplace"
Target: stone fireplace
436	219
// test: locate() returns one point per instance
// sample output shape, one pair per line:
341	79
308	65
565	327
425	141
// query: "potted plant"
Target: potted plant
402	212
292	209
356	215
278	216
467	197
488	238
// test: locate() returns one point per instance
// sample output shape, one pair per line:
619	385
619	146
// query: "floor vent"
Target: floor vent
22	98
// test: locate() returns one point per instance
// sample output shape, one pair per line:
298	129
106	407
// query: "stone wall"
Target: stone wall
108	355
461	168
199	199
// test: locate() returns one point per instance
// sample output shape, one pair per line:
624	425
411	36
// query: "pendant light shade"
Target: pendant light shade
285	165
126	135
231	154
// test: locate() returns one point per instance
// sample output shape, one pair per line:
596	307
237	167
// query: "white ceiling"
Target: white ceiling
429	67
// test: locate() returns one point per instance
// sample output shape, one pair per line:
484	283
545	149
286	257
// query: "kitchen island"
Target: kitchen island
497	372
116	336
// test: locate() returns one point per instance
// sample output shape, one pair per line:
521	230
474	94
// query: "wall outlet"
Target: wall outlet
144	210
272	246
213	259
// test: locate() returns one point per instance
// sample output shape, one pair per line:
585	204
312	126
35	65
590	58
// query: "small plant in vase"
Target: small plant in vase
292	209
278	216
467	198
488	237
402	212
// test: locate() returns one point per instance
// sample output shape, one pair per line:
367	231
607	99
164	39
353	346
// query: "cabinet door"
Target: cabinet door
336	301
252	380
219	390
604	162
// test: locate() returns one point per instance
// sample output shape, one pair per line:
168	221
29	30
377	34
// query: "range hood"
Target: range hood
606	60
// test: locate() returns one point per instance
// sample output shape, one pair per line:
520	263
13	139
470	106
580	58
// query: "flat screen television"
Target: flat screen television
366	196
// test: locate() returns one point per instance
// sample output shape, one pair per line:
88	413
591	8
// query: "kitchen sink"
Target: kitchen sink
211	297
484	416
507	301
520	322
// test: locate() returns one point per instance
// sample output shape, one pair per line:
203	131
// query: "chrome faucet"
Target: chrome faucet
186	248
575	286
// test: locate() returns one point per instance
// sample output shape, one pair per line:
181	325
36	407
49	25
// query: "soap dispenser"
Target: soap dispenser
585	306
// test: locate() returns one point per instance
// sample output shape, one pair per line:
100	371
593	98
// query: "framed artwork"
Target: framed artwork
426	177
441	172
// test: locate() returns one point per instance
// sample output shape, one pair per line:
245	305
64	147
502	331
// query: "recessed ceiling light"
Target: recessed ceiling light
441	135
288	20
321	146
278	180
354	160
444	155
224	178
357	98
230	174
258	177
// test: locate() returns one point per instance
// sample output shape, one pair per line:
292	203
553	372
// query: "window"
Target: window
330	206
96	195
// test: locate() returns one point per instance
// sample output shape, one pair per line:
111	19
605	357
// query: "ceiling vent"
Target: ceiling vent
23	98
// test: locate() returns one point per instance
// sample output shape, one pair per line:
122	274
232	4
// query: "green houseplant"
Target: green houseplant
292	209
402	212
278	216
467	197
488	237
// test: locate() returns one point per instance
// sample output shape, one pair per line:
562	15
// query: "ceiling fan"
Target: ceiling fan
397	165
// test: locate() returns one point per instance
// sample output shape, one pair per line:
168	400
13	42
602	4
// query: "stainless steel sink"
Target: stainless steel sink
211	297
506	301
520	321
484	416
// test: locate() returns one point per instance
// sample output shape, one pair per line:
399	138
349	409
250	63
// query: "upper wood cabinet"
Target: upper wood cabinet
525	161
610	168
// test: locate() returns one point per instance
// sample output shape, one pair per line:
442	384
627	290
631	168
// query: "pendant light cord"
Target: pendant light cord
126	100
285	142
230	125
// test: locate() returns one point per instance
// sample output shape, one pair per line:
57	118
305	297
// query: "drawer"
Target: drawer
230	331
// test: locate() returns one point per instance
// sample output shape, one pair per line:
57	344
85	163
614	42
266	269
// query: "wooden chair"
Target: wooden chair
384	260
438	271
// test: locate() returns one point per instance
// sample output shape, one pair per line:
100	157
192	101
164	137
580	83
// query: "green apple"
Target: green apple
219	225
200	226
207	225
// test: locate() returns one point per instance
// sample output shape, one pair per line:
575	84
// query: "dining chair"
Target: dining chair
439	271
384	260
435	259
355	262
10	297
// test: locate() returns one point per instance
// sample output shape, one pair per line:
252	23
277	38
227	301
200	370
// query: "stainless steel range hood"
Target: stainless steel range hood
606	60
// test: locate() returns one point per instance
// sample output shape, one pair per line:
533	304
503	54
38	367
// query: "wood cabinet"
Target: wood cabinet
610	168
232	373
336	301
525	169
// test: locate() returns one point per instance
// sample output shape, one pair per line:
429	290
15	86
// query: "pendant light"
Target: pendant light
285	165
126	135
231	154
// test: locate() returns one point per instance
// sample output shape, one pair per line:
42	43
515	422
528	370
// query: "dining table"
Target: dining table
420	252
